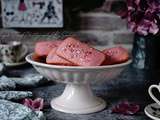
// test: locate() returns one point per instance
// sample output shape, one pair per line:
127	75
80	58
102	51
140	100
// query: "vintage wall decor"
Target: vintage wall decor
32	13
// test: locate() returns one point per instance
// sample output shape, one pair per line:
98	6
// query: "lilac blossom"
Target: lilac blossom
143	16
36	104
126	108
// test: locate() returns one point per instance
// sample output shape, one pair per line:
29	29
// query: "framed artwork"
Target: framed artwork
32	13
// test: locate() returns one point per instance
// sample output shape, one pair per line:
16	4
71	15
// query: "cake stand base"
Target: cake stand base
78	99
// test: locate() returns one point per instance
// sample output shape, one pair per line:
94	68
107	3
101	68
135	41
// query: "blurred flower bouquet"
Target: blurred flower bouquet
143	16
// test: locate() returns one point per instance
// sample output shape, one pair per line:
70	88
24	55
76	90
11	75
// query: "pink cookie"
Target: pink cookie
53	58
80	53
42	48
115	55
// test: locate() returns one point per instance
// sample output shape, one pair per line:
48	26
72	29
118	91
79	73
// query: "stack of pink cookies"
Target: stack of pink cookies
72	52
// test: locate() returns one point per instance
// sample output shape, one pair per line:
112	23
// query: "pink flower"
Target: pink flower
147	26
154	6
142	30
137	2
132	26
36	104
153	28
126	108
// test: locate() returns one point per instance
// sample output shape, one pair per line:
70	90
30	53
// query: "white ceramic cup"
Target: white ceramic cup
150	90
12	52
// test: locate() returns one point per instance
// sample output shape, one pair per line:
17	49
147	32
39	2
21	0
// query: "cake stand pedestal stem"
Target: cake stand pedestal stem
78	99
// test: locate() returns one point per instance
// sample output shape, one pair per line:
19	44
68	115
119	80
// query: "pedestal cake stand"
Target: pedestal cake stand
78	97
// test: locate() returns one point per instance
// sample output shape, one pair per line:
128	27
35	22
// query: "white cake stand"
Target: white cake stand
78	97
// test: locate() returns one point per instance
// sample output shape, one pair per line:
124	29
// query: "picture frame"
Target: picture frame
32	13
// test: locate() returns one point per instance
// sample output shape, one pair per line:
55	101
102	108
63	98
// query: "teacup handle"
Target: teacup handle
152	95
